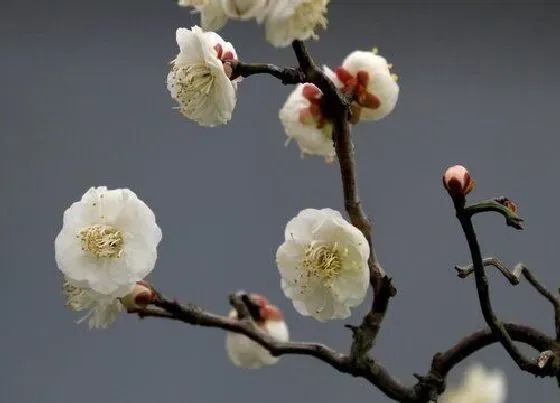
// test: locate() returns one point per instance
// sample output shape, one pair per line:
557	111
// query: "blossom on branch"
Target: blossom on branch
285	20
244	352
108	241
290	20
366	78
247	9
479	386
323	263
304	122
198	80
214	14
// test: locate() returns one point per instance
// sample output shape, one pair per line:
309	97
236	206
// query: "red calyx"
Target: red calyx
357	88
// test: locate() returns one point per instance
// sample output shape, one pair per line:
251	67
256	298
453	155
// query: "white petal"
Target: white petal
245	9
291	20
303	226
288	257
310	139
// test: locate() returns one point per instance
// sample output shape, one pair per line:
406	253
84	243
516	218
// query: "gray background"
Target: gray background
83	102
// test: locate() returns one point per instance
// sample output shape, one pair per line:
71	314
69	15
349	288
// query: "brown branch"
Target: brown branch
465	218
288	75
553	299
194	315
432	384
465	271
358	363
337	109
513	278
427	387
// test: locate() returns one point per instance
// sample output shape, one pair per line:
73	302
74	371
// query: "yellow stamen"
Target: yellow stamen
102	241
323	261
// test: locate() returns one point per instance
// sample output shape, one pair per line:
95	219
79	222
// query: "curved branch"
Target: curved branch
513	278
497	206
465	218
443	363
433	383
194	315
370	370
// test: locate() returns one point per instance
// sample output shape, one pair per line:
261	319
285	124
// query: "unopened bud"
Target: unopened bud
140	296
457	181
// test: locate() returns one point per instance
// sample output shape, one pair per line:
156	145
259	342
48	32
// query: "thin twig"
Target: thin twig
288	75
465	271
496	205
553	299
465	218
513	278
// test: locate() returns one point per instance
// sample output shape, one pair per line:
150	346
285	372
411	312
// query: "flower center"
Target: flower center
189	82
307	15
102	241
323	261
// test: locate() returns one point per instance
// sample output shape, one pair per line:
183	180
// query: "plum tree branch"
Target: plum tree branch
358	362
288	75
464	215
337	109
513	278
427	387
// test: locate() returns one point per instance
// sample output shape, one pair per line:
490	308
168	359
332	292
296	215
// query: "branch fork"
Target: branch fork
358	362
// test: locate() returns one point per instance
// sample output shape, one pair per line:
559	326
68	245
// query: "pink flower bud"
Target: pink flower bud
457	181
140	296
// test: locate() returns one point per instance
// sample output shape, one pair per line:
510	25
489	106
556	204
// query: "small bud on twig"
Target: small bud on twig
140	296
457	181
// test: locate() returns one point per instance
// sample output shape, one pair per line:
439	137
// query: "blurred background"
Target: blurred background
83	102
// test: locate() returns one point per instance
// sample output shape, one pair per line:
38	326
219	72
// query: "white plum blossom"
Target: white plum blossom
246	9
478	386
367	78
285	20
198	81
245	353
303	121
323	264
290	20
212	14
102	309
108	241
